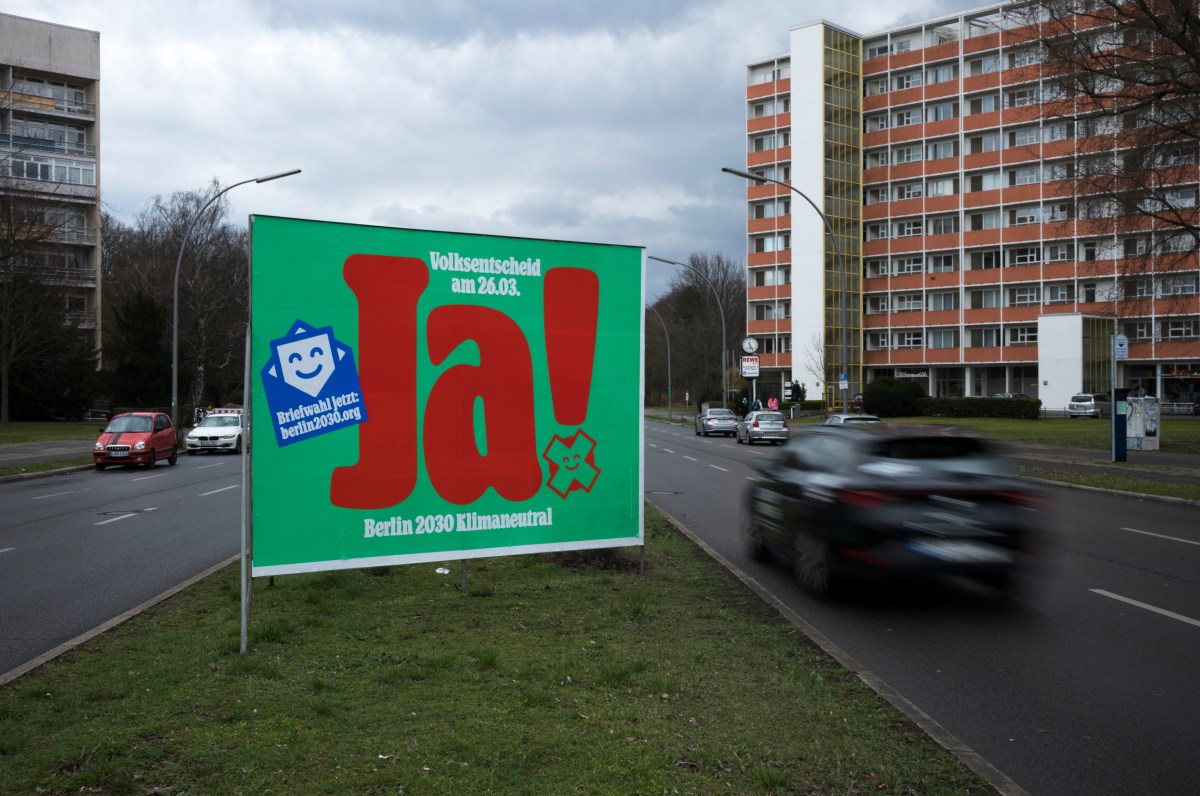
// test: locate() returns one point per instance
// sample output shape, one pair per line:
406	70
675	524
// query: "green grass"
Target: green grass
11	433
43	467
558	674
1121	483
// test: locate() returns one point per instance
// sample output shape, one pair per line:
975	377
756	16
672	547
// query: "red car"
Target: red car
136	438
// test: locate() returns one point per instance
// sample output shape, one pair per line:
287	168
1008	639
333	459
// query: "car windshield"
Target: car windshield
721	413
128	423
860	420
221	420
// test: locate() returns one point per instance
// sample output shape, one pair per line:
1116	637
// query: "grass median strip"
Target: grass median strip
1121	483
565	673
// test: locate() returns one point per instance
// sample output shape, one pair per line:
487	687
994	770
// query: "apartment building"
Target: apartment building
962	249
49	161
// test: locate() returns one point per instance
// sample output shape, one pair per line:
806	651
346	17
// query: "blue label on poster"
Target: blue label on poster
311	384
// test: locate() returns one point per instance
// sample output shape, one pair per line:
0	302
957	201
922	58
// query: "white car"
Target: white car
220	430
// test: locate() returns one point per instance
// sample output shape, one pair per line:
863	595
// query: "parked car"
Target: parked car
136	438
1086	404
763	427
841	420
220	430
716	421
889	501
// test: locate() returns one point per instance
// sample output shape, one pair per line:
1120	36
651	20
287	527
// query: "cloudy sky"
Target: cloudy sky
600	122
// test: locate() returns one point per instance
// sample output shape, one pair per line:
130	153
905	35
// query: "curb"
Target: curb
44	473
940	735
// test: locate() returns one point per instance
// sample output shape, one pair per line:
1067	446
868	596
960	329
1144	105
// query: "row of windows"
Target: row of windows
776	310
31	167
949	338
984	259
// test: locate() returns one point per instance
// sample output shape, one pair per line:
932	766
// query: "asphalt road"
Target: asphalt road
1086	681
80	548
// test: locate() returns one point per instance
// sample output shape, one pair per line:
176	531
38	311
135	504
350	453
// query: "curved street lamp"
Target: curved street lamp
839	261
720	309
175	291
668	336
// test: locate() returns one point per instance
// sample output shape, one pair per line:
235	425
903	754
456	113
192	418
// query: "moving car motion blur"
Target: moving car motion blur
886	501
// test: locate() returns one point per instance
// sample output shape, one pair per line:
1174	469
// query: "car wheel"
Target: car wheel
237	449
191	452
153	458
752	539
697	432
100	466
812	565
174	457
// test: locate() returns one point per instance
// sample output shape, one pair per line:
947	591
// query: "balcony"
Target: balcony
80	319
52	106
45	146
60	276
769	327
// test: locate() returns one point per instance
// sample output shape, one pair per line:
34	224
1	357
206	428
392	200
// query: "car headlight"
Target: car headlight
230	435
99	446
140	446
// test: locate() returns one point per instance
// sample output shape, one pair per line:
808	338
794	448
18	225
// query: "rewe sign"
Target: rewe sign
425	396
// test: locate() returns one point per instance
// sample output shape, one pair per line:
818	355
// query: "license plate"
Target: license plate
206	443
956	551
118	454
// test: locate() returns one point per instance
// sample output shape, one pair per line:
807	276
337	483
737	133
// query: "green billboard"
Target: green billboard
430	396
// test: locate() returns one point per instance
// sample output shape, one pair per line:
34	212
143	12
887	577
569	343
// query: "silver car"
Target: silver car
1088	404
842	420
763	427
716	421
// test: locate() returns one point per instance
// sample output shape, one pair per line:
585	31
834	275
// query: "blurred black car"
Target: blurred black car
888	501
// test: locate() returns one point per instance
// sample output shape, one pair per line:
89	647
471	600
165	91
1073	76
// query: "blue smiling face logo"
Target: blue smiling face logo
311	384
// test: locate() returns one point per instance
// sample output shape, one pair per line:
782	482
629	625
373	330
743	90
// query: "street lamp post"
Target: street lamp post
720	309
839	260
668	336
175	291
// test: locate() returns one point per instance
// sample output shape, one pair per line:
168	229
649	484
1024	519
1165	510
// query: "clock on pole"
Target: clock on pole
750	344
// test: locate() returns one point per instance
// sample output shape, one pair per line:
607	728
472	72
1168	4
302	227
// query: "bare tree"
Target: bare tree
213	284
1122	79
812	359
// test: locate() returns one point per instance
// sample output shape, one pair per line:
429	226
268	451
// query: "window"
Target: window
1061	170
877	341
1022	96
1139	330
908	228
989	142
1022	335
875	268
873	123
878	50
1178	286
985	104
1060	294
879	86
943	263
1181	198
989	219
943	111
1142	288
943	225
1090	250
910	190
1135	247
761	109
1025	175
906	302
1024	255
771	277
909	154
1180	328
983	66
763	143
907	265
1030	214
1025	57
877	231
901	46
1060	131
941	74
943	149
943	301
987	181
905	118
943	338
1059	211
984	260
908	340
986	338
910	80
941	187
1025	294
876	305
874	196
1023	136
985	299
1060	252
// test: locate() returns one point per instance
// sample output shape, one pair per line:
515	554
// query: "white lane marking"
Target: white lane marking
222	489
668	450
722	469
689	458
651	444
56	494
206	466
1161	536
1147	606
118	517
7	549
146	477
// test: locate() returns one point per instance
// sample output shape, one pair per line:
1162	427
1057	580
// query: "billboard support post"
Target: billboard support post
245	562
